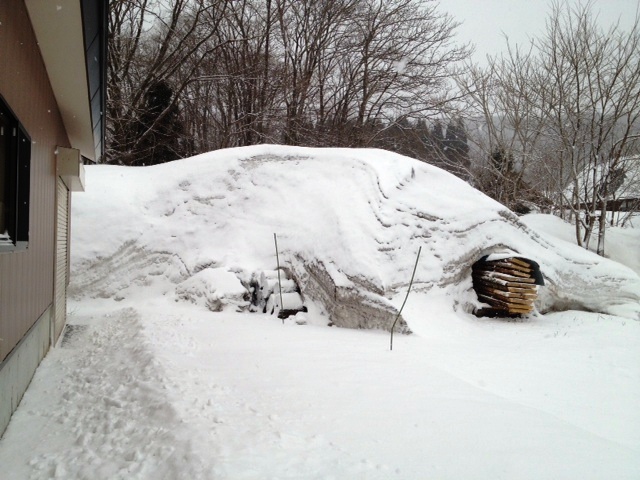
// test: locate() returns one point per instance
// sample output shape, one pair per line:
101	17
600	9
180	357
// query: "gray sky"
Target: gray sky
485	21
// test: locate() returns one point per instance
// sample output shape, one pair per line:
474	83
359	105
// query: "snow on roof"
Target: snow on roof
624	181
630	185
355	216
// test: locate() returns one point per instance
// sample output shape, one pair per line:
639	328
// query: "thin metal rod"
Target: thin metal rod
275	239
405	298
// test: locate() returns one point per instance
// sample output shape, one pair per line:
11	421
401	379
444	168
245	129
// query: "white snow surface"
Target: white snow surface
150	382
361	214
621	244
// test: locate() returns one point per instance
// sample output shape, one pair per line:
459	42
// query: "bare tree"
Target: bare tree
188	76
568	110
399	59
592	80
504	99
309	31
149	43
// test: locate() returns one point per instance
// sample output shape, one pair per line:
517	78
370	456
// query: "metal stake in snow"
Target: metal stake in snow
405	298
275	239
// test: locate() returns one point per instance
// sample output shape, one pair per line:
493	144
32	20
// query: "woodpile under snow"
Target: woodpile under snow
508	285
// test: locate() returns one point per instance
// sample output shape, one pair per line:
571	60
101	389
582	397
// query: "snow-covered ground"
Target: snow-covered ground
151	384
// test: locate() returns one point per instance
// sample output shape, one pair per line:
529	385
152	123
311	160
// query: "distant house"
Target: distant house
626	196
52	94
622	185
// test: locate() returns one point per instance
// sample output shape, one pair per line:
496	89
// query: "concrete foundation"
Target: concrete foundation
16	371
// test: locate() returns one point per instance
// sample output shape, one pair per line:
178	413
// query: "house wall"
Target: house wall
26	277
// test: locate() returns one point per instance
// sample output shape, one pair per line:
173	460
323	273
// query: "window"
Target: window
15	163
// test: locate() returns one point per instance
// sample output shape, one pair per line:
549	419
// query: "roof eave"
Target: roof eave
59	30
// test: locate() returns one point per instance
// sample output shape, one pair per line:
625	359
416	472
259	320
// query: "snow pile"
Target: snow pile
214	288
349	225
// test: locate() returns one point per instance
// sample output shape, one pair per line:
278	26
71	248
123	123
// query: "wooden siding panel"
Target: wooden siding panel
26	278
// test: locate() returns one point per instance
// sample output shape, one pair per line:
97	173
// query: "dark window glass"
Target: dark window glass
15	164
3	188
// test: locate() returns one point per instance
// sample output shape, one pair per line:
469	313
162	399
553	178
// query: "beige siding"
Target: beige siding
26	278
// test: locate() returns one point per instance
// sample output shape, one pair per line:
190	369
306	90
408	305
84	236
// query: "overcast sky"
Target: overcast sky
485	21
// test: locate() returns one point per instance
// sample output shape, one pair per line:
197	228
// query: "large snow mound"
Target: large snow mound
349	224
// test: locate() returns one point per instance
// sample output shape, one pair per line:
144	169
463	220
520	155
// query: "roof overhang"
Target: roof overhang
61	30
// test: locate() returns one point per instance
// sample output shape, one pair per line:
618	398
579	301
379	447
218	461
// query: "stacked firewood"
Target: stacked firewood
508	285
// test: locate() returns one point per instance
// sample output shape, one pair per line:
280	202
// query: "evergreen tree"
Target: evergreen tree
456	149
160	127
502	161
437	136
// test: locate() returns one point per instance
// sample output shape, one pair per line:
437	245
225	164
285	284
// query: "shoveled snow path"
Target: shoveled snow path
160	390
99	407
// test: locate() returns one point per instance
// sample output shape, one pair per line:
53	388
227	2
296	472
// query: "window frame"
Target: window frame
17	182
